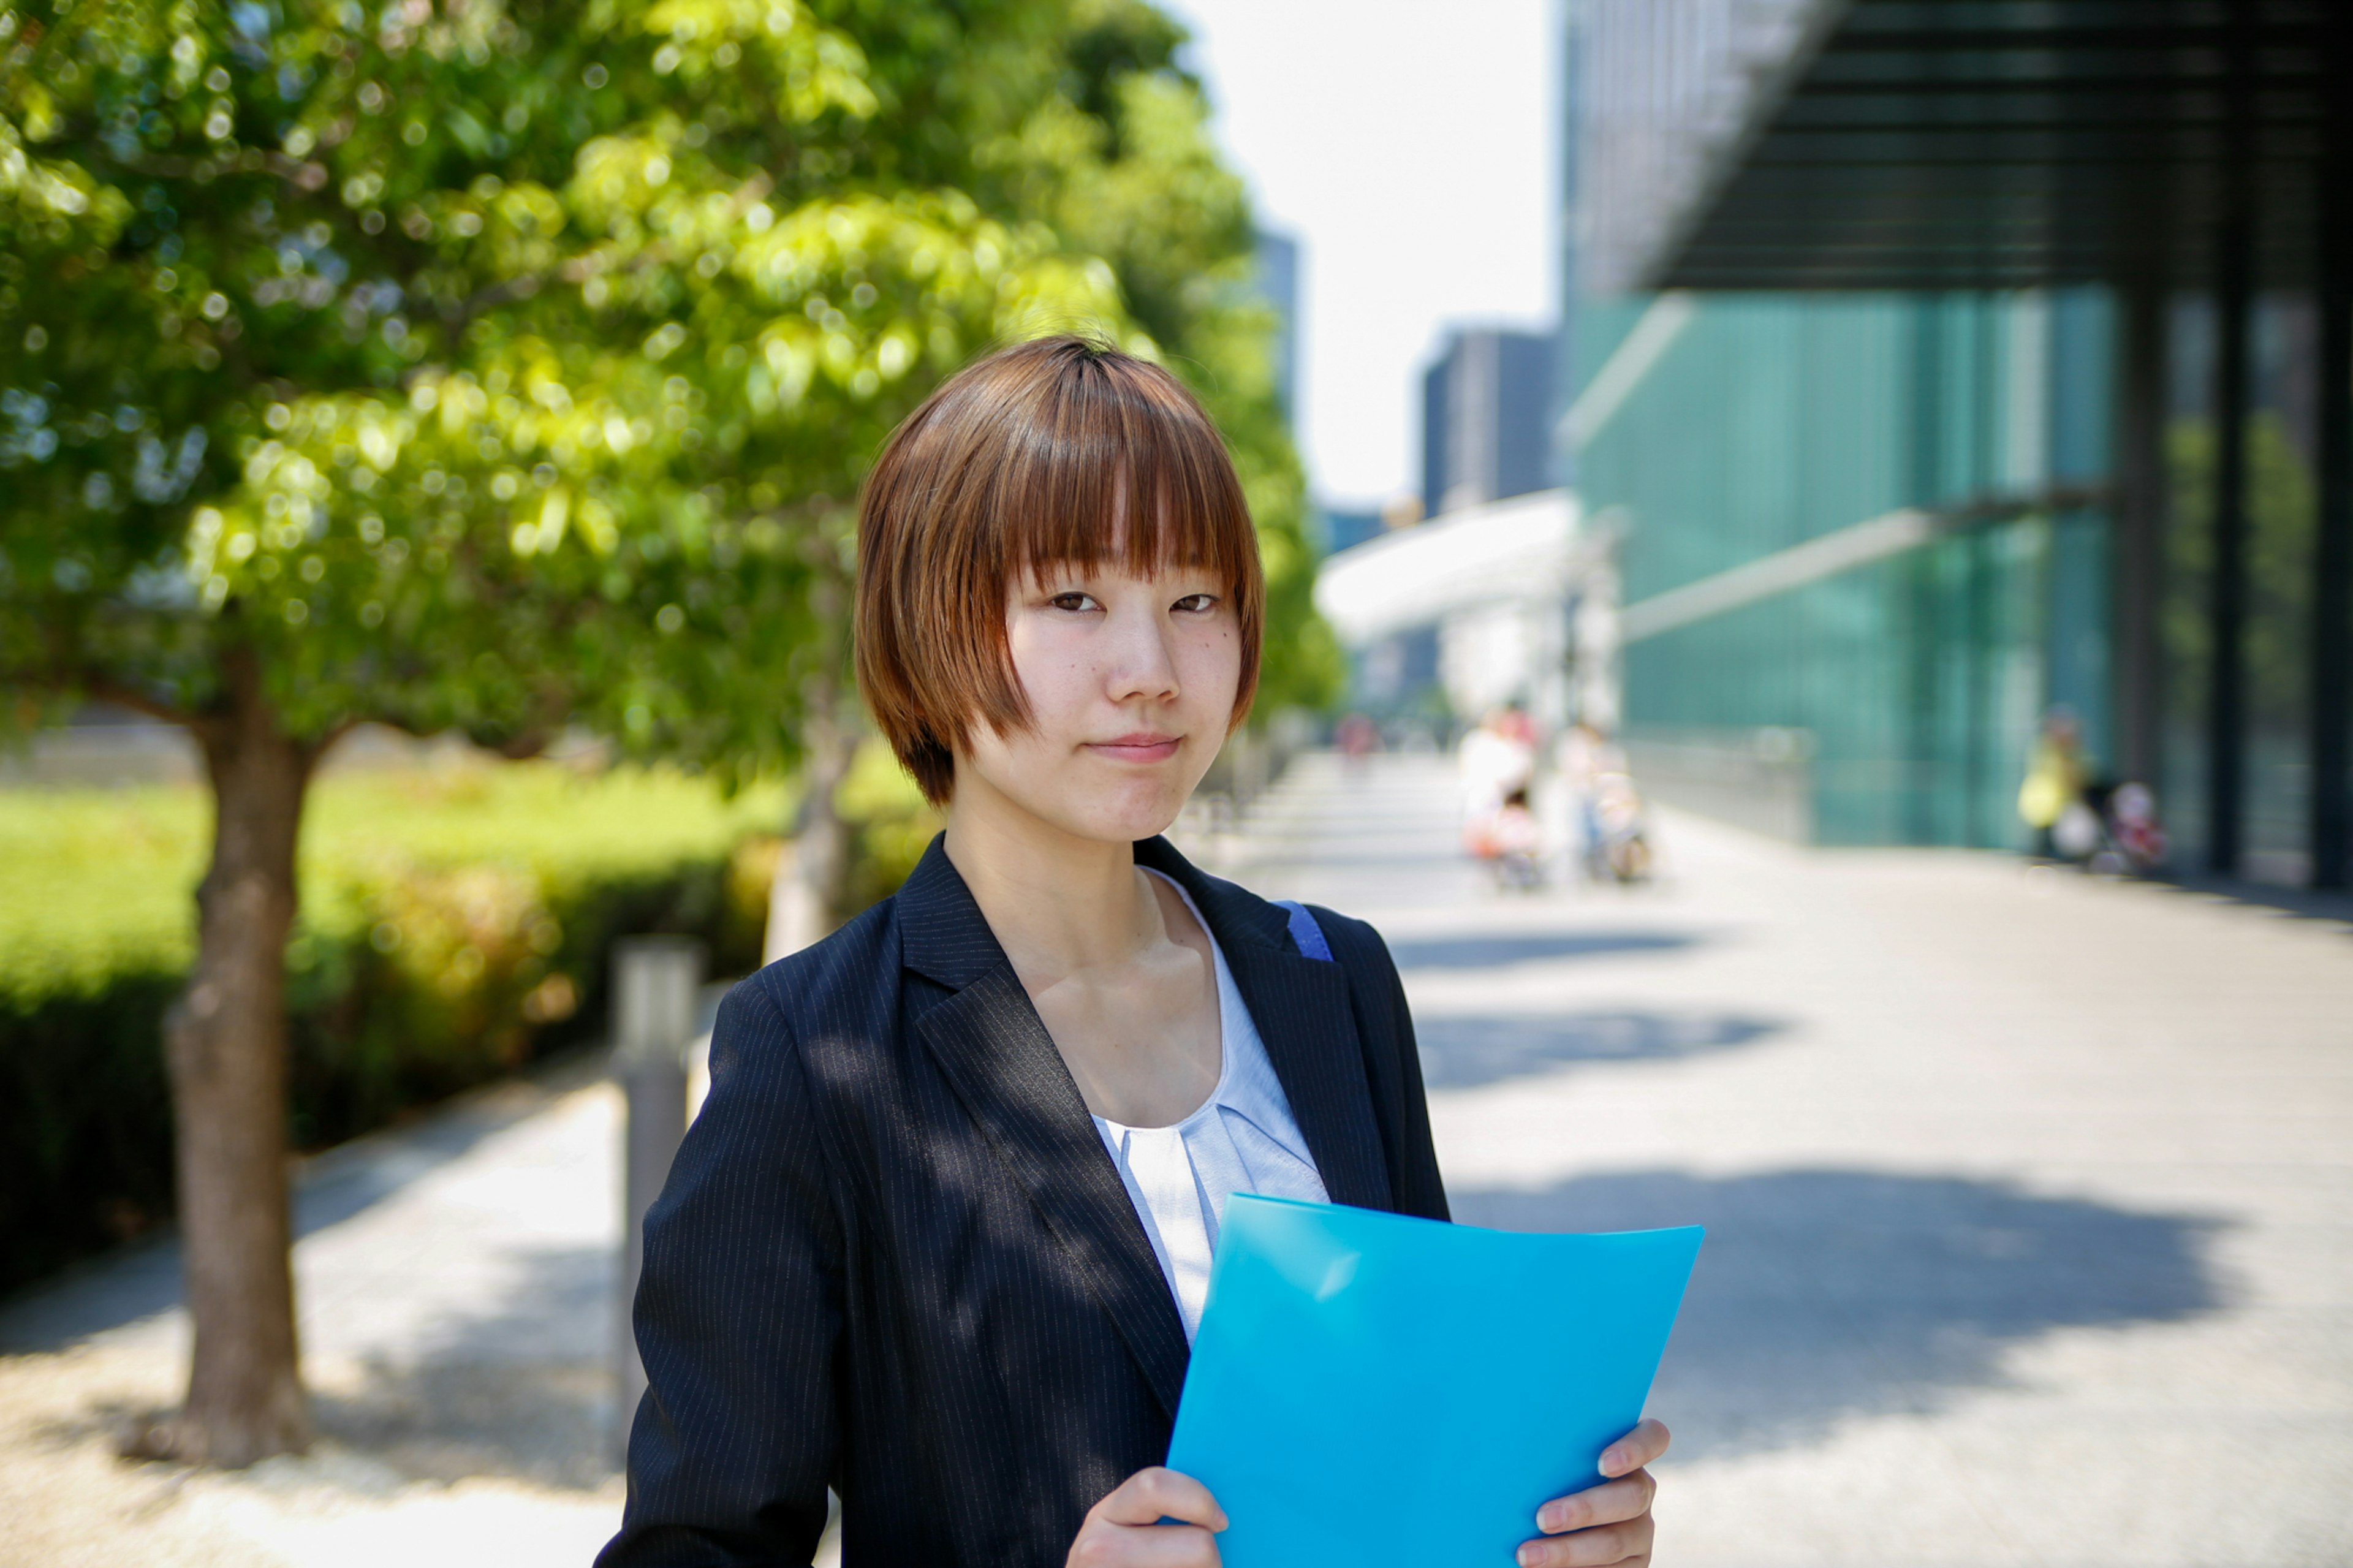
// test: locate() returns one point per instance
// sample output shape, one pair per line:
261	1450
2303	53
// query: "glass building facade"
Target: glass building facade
1908	688
1933	376
2282	440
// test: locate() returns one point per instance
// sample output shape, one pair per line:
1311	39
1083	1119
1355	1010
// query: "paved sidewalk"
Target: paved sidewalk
456	1282
2030	1197
2029	1201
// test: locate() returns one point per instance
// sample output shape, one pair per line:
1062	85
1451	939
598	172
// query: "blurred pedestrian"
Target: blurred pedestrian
1357	737
1603	804
940	1238
2130	841
1517	843
2133	828
2051	800
1619	850
1494	760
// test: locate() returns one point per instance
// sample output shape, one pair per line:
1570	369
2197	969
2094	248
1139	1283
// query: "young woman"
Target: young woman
939	1237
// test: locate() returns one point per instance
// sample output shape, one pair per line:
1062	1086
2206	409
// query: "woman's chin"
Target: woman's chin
1128	816
1128	827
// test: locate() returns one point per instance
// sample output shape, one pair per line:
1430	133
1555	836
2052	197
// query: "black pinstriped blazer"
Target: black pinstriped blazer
895	1258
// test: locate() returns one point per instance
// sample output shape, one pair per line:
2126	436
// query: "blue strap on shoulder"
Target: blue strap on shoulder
1305	932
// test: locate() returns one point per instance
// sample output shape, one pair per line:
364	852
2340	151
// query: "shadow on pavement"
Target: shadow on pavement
524	1390
2303	903
1825	1294
144	1278
517	1391
1491	952
1465	1053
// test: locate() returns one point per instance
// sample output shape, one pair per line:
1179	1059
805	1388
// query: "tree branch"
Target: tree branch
334	732
107	690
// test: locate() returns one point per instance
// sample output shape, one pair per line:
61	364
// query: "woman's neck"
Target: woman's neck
1058	903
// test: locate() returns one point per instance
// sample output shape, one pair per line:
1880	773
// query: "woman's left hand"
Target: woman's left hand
1606	1524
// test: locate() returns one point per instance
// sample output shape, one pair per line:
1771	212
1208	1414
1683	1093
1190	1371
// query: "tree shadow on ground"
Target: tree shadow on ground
1493	952
1824	1294
519	1385
1465	1053
144	1277
522	1388
550	1423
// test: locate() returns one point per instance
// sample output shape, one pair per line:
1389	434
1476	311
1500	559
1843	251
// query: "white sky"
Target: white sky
1411	150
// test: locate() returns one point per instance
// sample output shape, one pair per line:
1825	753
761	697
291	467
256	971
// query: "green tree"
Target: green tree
507	366
1119	161
489	367
1078	118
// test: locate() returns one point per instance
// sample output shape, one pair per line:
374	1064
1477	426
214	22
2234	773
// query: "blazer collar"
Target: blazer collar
1004	1066
943	935
1307	1020
1300	1005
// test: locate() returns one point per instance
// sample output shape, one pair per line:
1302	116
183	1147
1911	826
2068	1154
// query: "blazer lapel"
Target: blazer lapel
1004	1066
1304	1016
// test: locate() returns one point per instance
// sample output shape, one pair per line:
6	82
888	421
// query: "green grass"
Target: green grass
457	922
96	882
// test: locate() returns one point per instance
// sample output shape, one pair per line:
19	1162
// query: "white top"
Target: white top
1241	1139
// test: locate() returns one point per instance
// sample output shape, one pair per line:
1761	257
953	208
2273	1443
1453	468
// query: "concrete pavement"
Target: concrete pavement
2029	1202
2029	1197
455	1281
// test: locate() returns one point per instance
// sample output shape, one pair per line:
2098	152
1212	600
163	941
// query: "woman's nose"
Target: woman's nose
1142	662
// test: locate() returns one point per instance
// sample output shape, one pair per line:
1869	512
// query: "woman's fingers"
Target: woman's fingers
1607	1524
1150	1495
1611	1502
1105	1545
1123	1530
1599	1547
1641	1447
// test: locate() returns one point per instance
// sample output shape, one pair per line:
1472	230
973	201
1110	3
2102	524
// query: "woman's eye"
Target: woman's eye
1196	603
1073	602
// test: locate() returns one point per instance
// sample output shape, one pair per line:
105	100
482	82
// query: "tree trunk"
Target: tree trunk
813	873
225	1044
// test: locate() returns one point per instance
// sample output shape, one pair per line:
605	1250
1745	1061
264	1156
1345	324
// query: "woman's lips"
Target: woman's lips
1137	748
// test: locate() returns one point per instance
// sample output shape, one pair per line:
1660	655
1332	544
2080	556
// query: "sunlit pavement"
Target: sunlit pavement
2028	1203
2029	1197
455	1281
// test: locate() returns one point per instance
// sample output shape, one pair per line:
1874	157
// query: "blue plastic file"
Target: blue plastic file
1372	1389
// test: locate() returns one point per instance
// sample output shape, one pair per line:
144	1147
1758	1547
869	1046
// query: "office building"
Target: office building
1933	376
1276	280
1483	406
1345	528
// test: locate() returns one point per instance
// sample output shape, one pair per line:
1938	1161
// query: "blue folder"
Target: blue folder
1370	1388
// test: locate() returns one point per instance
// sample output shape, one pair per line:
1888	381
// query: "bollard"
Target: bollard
657	981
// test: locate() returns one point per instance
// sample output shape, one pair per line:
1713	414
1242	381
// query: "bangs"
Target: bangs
1052	452
1108	469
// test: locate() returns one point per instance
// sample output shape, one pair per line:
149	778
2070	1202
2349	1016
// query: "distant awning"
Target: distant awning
1505	551
1972	144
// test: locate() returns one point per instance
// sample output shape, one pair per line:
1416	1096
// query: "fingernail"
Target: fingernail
1551	1519
1527	1557
1612	1460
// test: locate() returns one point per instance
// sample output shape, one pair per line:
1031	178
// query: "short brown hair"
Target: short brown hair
1017	462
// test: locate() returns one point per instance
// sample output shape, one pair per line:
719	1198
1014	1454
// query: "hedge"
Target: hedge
456	924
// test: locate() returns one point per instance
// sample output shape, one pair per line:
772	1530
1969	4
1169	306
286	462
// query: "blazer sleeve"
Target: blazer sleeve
1392	1064
738	1313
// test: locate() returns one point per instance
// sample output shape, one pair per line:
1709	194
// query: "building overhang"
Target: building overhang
1922	144
1506	551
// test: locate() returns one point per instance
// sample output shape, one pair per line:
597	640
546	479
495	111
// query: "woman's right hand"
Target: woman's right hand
1123	1531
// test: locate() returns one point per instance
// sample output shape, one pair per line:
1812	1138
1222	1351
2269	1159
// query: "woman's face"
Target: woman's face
1131	682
